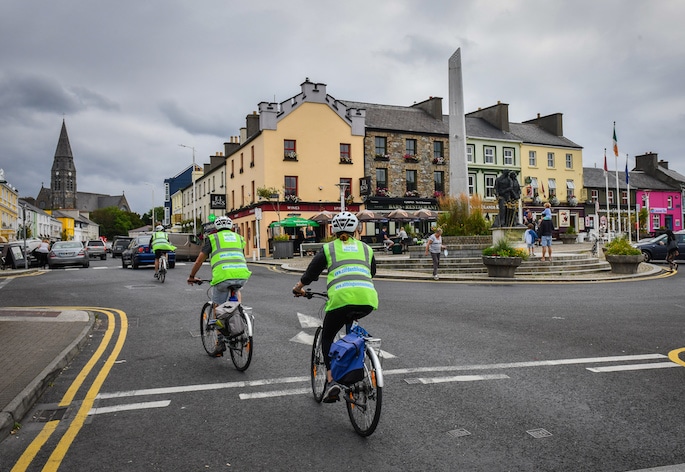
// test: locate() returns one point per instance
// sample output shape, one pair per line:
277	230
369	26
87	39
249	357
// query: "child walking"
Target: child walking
531	236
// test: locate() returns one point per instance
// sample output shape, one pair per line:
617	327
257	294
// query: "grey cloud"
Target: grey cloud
193	123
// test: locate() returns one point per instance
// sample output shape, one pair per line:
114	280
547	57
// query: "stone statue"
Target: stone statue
508	192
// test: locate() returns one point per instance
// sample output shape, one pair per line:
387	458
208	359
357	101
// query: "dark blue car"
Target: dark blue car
138	253
655	249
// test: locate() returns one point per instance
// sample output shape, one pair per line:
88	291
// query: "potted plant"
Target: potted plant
622	256
283	247
570	236
554	201
502	259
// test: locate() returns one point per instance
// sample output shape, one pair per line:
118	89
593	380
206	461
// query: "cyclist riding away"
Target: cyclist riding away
225	248
159	244
351	293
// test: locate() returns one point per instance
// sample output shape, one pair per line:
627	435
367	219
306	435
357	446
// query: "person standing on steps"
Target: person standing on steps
545	231
434	247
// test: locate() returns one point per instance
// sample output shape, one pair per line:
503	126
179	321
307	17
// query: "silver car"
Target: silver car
66	253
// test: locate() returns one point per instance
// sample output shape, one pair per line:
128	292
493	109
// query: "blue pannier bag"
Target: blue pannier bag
347	359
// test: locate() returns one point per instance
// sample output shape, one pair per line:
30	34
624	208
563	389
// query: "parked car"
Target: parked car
138	253
655	249
96	248
67	253
188	246
119	244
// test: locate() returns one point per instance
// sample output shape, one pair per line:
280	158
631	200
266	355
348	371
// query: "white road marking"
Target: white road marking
618	368
513	365
303	338
307	321
131	406
457	378
387	355
101	267
275	393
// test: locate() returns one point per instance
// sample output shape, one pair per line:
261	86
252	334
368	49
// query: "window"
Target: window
214	183
508	156
534	187
233	199
472	184
253	193
290	185
345	156
624	197
242	166
289	149
439	182
550	159
348	188
570	189
410	147
222	180
252	156
669	202
490	185
381	143
611	197
232	168
594	195
242	196
532	158
438	149
411	180
569	161
470	151
382	178
656	220
489	154
166	192
552	187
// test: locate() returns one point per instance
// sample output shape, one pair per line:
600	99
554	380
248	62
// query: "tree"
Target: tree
114	221
159	216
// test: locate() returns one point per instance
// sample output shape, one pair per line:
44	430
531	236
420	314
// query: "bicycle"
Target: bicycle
216	337
163	264
595	246
363	398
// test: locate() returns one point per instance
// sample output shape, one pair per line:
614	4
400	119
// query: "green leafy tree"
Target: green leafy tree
114	221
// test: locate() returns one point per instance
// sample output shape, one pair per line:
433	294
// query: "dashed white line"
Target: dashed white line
618	368
130	406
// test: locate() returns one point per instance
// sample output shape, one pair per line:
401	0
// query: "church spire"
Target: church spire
63	175
63	146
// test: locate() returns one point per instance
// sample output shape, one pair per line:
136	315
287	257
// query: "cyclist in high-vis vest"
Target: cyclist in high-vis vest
225	250
159	244
351	294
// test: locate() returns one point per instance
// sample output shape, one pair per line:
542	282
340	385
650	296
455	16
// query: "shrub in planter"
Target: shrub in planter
623	258
502	259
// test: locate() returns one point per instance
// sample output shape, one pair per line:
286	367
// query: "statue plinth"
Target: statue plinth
513	234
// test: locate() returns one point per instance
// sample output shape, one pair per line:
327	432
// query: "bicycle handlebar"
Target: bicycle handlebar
309	294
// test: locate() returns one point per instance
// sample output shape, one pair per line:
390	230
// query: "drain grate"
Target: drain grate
43	416
539	433
458	433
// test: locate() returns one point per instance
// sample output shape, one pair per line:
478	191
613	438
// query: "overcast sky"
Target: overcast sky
134	79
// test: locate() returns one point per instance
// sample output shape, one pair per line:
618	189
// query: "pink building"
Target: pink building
664	207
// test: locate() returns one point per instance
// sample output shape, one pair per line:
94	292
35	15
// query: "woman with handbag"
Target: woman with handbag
672	248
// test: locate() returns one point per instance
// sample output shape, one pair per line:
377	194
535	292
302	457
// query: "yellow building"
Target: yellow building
9	198
302	149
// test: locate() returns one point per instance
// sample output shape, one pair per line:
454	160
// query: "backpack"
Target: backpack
347	359
229	313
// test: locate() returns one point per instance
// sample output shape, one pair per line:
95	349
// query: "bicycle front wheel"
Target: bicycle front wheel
241	348
364	400
209	334
317	370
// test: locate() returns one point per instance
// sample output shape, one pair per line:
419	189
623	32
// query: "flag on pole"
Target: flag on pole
606	169
627	176
542	187
615	141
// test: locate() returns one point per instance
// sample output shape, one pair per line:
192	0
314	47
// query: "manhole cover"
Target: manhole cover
43	416
539	433
458	433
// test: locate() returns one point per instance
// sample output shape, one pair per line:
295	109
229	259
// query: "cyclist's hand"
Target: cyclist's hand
298	291
194	280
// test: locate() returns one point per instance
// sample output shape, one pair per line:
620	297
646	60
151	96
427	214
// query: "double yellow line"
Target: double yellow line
55	459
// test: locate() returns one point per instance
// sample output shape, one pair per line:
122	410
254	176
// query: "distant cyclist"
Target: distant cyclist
351	293
225	250
159	243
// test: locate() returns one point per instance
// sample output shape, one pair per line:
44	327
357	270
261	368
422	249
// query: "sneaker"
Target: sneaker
156	275
332	393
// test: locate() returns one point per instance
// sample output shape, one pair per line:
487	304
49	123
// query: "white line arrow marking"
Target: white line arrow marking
307	321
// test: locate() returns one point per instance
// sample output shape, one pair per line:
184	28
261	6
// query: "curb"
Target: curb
27	398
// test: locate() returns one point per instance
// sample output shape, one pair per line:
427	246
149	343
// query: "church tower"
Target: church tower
63	175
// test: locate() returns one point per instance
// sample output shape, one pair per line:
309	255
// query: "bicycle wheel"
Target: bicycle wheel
364	400
317	369
241	348
208	333
162	271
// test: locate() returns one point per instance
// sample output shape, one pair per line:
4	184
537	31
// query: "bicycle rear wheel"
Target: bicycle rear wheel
317	369
209	334
241	348
364	400
162	270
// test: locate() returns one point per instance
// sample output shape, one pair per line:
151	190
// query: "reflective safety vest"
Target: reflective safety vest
160	241
227	257
349	274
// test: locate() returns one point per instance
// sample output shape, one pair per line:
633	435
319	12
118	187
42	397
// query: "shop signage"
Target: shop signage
217	201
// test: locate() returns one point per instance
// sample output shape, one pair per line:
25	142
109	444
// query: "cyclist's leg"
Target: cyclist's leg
334	321
158	254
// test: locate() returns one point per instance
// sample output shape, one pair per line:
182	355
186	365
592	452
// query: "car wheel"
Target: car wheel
123	263
648	256
134	263
172	265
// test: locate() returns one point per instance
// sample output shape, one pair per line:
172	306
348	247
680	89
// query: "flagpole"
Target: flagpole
606	184
630	232
618	199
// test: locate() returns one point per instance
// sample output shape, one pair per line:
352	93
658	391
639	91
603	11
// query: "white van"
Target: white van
188	246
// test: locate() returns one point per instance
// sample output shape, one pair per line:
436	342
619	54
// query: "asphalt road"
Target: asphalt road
526	377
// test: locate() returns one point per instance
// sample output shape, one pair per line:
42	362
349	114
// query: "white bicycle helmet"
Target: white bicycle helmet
159	228
344	222
223	222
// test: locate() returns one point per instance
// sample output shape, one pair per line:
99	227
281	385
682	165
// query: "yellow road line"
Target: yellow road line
674	356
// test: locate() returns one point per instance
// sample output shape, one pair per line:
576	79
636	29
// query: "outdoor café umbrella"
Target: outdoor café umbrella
294	222
322	217
425	214
399	215
368	215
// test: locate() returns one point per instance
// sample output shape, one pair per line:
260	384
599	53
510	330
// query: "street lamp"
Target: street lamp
152	213
343	186
192	176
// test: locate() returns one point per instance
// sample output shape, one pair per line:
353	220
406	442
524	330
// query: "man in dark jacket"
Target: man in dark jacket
545	232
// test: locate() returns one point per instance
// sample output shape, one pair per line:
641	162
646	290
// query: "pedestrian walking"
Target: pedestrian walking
434	247
672	248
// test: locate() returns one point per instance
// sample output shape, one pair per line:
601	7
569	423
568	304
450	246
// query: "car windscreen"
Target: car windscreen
67	245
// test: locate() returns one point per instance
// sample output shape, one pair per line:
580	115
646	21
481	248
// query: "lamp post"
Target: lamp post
152	212
192	176
343	186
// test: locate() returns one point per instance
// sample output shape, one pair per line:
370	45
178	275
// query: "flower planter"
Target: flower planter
622	264
501	266
283	249
568	238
